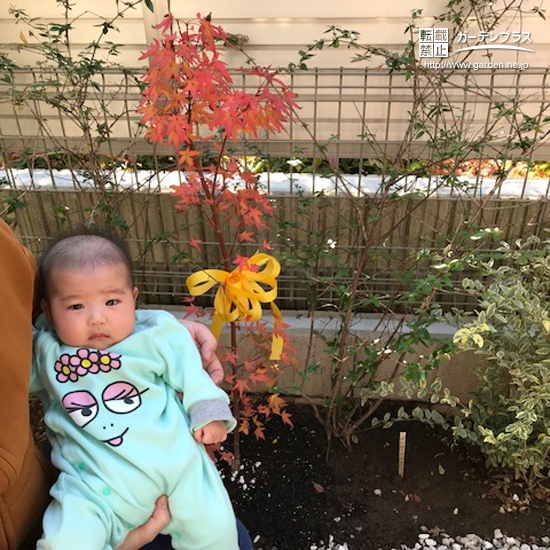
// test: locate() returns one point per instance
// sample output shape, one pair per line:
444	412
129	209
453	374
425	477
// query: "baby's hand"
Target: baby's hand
214	432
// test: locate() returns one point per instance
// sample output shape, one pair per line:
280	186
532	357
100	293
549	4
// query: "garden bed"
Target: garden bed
290	497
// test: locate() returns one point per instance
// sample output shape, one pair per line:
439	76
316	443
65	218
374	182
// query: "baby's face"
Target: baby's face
91	307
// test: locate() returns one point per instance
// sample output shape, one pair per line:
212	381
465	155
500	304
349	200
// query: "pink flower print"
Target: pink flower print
108	361
65	370
70	368
85	361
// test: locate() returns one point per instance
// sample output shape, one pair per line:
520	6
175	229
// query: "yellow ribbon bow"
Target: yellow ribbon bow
241	293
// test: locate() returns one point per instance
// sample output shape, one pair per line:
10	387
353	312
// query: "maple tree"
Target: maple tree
191	103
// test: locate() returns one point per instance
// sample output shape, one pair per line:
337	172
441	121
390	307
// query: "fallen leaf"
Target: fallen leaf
318	487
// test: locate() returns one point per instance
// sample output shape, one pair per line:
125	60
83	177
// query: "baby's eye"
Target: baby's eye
76	306
112	302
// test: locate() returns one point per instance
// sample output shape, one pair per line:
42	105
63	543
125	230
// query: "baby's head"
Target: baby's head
87	289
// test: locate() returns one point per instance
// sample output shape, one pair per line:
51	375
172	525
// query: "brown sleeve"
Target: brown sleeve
17	269
25	476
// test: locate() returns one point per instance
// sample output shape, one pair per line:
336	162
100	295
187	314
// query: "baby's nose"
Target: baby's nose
97	318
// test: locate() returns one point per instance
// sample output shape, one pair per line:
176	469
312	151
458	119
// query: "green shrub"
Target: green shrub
509	415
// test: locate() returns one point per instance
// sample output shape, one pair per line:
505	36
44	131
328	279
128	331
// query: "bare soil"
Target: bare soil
290	496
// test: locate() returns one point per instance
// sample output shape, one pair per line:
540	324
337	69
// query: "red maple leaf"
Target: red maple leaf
241	386
195	243
193	310
242	263
166	23
229	357
246	236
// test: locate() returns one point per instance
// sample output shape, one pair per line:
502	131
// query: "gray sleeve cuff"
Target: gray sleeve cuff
204	412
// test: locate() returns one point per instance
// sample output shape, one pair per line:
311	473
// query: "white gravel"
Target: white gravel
499	541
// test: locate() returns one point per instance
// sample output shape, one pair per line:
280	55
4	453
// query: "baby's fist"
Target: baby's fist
213	432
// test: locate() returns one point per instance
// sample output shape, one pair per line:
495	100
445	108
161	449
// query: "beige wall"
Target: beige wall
347	104
276	30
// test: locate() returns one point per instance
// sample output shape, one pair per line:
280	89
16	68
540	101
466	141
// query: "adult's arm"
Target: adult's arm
25	476
16	294
207	345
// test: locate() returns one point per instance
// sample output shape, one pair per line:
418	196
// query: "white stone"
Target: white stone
498	534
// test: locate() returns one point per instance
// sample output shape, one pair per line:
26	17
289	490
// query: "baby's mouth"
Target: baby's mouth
116	441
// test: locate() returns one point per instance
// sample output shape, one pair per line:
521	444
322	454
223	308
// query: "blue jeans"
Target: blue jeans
162	542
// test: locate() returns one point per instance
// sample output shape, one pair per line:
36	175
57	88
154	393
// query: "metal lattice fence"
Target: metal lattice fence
364	115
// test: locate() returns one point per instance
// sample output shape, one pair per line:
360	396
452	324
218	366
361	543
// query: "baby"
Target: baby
109	378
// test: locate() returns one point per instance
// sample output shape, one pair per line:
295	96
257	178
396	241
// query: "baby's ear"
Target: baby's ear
45	307
136	292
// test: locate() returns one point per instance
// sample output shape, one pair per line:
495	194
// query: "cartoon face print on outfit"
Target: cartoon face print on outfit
101	416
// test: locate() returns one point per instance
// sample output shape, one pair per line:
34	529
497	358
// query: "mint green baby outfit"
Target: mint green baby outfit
121	437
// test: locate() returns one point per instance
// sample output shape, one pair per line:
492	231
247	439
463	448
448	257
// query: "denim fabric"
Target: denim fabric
162	542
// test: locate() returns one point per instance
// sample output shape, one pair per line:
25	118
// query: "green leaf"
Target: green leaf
150	6
438	418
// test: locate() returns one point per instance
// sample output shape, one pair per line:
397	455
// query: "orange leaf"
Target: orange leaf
285	416
186	156
195	243
276	402
246	236
259	432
